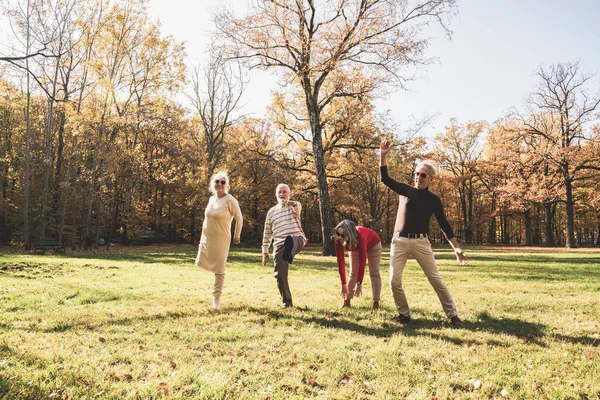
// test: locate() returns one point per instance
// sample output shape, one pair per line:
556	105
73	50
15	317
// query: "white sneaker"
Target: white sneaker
216	304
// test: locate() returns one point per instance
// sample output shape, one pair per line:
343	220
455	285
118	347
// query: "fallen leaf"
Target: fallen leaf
173	365
102	340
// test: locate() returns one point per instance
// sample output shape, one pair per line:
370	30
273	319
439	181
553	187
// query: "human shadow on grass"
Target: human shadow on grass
530	332
65	326
16	386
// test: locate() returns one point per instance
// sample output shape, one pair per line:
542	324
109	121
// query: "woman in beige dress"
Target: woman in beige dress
222	208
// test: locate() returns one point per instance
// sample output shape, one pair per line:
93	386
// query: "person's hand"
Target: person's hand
265	259
461	257
236	241
385	147
291	203
345	291
358	290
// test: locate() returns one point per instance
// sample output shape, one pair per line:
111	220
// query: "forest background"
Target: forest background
107	135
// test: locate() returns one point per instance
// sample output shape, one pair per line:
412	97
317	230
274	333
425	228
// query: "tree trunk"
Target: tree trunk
47	162
527	217
492	227
26	238
324	203
548	216
65	192
59	161
569	209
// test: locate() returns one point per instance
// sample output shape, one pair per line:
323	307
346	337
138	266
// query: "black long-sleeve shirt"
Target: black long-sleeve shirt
415	207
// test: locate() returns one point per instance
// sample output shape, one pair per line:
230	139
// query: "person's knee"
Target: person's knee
395	282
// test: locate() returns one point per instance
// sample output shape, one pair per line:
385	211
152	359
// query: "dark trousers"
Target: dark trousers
282	267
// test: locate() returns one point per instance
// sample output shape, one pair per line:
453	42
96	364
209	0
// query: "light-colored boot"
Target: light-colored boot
216	304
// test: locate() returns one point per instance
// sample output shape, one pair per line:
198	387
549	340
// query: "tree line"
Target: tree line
95	147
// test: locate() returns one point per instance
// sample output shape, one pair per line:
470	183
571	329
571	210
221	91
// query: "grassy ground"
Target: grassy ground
138	323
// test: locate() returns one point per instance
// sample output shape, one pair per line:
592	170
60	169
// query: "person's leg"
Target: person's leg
399	252
292	246
421	250
374	260
281	274
218	289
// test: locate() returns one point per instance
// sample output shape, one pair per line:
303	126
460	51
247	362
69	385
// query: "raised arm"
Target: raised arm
398	187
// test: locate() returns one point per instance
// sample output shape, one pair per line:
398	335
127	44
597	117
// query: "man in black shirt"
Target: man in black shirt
416	205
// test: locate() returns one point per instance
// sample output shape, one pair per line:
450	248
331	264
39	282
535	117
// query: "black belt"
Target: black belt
411	235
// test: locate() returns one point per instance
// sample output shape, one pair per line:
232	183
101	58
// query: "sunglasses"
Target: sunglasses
340	234
421	175
222	181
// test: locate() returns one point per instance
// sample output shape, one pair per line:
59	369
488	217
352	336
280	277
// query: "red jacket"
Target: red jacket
367	238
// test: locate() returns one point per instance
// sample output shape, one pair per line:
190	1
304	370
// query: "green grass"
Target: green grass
138	323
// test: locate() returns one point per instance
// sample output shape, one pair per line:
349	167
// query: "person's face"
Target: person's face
283	194
220	185
341	233
422	177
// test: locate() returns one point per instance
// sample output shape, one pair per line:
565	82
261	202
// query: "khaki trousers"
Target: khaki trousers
373	260
401	248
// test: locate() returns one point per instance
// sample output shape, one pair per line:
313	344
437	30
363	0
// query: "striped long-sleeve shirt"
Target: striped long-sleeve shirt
281	221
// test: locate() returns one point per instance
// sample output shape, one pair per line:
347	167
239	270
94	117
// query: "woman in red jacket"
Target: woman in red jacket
362	244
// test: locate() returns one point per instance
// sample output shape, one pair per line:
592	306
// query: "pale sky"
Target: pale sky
481	73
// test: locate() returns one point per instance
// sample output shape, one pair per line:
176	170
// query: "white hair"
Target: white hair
428	165
220	174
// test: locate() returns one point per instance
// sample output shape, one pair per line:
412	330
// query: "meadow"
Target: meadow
137	323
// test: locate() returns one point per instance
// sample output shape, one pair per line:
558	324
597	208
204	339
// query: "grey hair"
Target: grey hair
351	233
211	185
428	165
282	184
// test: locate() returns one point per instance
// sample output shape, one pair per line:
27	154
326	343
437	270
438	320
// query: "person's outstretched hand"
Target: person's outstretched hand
358	290
345	291
461	257
385	147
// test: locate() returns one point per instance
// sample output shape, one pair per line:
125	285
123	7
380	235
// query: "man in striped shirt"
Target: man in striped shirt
282	227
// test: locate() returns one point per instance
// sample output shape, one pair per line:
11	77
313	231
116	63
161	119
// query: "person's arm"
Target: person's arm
267	237
239	221
296	207
438	211
398	187
461	256
340	255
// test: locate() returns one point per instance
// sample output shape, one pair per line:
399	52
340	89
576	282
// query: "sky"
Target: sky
483	71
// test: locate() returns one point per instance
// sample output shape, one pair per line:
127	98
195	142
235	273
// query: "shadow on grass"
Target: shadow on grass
530	332
16	386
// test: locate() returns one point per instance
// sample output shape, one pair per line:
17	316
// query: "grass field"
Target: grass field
138	323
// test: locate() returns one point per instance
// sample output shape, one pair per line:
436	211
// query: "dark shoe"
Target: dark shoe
404	319
456	322
375	305
288	249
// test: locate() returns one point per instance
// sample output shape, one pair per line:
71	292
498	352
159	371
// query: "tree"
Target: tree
560	115
459	149
216	92
314	42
